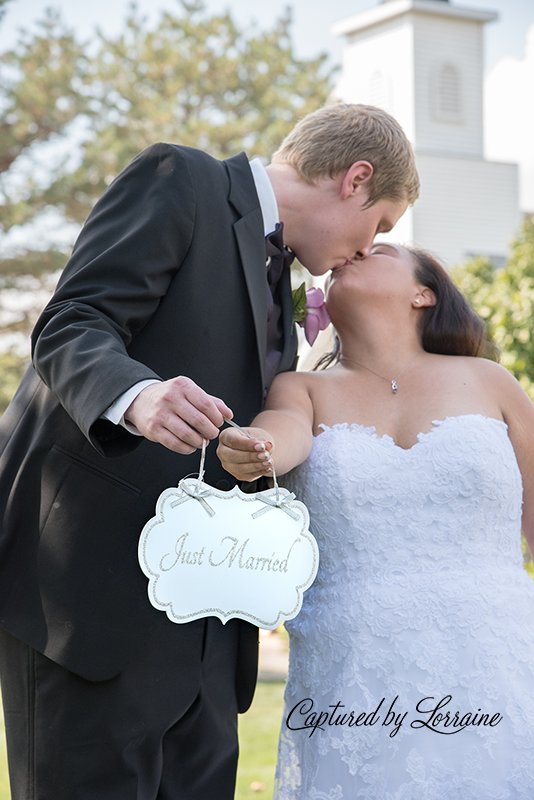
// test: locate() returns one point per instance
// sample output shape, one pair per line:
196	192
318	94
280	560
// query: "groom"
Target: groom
172	312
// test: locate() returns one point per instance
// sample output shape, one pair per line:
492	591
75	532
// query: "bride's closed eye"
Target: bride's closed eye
379	252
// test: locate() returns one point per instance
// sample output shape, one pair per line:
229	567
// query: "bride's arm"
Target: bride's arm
282	432
518	413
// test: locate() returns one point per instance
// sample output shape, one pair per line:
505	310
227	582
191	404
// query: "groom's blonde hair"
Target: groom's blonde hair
328	141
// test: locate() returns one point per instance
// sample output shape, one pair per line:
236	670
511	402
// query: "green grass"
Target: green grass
5	794
258	738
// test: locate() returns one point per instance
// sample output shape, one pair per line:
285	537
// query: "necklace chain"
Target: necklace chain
394	387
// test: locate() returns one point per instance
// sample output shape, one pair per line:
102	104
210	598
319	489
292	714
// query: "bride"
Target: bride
412	661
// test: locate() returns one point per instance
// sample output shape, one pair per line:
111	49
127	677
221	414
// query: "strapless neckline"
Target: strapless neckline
370	430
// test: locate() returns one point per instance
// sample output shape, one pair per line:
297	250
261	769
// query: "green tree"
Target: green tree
3	3
41	82
73	114
41	95
196	80
504	298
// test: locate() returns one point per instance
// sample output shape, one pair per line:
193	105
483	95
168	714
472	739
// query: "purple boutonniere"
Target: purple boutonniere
309	311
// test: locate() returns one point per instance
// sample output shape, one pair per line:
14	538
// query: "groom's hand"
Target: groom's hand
246	458
178	414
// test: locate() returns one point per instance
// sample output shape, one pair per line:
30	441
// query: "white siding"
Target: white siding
467	206
403	232
440	42
378	70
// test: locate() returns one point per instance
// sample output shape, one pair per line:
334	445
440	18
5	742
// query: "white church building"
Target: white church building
422	60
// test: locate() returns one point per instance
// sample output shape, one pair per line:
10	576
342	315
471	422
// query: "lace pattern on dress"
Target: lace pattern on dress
421	592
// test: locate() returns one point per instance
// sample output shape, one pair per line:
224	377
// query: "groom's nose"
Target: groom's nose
363	252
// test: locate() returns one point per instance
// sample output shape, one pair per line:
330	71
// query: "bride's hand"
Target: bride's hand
246	459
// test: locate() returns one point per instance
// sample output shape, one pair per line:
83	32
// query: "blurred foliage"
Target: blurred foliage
41	82
12	368
504	298
3	4
73	114
196	80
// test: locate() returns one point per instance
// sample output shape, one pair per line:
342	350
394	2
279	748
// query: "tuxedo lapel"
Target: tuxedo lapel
251	243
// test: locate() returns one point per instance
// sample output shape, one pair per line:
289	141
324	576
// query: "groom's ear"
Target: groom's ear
356	179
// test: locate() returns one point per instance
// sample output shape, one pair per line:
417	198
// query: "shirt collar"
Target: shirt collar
266	195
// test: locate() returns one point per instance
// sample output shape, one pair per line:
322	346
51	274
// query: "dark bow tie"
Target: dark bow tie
278	256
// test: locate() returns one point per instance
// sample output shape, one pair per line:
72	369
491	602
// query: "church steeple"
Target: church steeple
422	60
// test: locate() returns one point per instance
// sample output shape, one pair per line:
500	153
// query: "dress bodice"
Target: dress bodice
420	593
452	501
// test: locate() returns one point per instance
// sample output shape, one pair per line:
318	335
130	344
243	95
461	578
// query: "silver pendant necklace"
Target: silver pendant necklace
394	387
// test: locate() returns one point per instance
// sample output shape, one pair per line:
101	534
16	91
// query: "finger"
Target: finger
173	432
261	447
188	401
170	425
244	472
193	417
237	440
223	408
235	456
169	440
240	458
212	408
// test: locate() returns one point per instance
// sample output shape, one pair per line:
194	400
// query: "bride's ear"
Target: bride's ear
424	298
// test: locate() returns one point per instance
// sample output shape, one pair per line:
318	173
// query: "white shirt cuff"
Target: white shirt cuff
115	413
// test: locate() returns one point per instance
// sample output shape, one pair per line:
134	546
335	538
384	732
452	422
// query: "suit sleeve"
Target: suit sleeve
128	252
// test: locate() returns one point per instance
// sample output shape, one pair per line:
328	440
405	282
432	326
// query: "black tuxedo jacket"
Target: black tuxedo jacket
167	278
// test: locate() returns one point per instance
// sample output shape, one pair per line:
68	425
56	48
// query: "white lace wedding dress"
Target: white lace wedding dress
421	596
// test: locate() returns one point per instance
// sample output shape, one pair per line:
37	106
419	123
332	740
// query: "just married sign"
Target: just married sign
228	554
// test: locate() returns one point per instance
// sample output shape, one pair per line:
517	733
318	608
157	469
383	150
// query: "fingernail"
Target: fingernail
259	446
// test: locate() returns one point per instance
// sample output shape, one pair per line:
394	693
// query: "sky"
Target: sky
312	19
509	53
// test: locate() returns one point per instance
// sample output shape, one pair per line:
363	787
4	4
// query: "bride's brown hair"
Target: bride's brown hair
449	328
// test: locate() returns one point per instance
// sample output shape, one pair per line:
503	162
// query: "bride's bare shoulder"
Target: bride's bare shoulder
288	385
493	380
487	369
298	384
302	378
482	367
